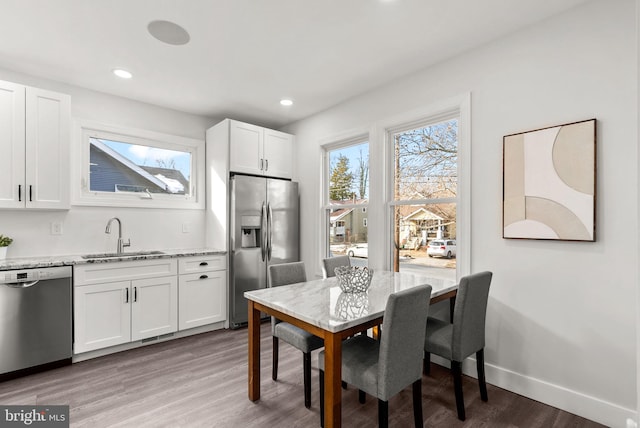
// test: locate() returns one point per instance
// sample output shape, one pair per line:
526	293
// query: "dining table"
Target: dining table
320	307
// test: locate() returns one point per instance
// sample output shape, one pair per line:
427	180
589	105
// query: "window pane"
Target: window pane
425	239
117	166
349	173
348	234
426	162
348	185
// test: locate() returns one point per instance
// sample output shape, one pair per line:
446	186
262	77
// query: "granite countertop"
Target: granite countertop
71	260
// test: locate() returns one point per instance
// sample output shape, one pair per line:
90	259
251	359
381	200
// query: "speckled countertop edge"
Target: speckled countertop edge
71	260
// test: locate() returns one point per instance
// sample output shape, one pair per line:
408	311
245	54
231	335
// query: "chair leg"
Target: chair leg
426	364
456	370
481	380
306	365
274	363
383	413
321	380
362	396
417	403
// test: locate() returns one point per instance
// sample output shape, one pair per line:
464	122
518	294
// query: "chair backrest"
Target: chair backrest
402	343
469	315
287	273
329	265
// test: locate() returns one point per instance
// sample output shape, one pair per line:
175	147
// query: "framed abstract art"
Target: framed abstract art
549	183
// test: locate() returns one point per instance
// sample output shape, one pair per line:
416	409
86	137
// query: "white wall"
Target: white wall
83	227
561	317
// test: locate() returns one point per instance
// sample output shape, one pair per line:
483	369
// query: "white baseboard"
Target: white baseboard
592	408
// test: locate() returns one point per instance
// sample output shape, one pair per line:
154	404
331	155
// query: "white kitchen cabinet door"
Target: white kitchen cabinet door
154	307
35	129
12	140
102	316
48	117
245	148
278	154
202	298
259	151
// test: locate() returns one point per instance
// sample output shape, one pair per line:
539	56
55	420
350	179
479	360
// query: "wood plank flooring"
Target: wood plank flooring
201	381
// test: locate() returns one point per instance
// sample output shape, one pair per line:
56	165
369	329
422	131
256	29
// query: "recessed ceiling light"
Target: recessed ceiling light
286	102
124	74
168	32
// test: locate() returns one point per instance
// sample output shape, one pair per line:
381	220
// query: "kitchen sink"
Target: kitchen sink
121	255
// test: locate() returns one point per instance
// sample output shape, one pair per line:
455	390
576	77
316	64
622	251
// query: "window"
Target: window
424	196
124	167
346	199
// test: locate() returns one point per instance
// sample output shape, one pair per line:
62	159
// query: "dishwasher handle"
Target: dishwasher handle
21	284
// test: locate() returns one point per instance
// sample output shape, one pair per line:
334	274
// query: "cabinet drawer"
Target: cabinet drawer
96	273
201	264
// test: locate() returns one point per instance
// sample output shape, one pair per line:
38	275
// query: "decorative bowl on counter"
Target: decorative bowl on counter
354	279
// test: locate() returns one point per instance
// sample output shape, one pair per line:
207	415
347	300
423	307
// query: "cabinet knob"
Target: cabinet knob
204	276
204	264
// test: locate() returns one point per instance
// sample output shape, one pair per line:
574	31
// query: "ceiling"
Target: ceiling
245	55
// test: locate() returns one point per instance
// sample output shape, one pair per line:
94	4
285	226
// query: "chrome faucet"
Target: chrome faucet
121	243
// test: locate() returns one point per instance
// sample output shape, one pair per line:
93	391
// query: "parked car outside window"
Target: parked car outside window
358	250
442	248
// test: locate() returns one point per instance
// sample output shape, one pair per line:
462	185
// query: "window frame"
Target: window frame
456	107
81	168
354	139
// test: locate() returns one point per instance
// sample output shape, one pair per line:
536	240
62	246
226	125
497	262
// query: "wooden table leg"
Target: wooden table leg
254	352
332	381
375	331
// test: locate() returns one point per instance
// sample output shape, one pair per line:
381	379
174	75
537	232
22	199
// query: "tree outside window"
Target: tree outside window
424	194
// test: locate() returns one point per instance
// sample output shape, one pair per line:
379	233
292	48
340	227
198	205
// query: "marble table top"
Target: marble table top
322	303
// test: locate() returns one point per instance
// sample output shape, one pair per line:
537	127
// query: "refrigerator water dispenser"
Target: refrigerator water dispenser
250	227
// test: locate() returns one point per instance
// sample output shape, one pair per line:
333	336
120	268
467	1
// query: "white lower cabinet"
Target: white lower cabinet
110	311
121	302
154	310
102	316
202	292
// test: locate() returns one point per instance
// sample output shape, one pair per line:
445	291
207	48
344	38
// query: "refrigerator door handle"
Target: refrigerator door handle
269	230
263	225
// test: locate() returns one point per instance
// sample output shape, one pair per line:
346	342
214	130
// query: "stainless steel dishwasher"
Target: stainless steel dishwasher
35	320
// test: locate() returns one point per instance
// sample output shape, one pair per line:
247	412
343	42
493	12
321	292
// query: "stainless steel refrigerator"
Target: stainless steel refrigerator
264	230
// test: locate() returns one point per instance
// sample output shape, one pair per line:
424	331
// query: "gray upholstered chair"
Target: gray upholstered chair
329	265
284	274
385	367
465	336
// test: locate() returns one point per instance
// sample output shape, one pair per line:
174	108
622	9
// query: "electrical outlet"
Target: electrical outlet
56	228
185	227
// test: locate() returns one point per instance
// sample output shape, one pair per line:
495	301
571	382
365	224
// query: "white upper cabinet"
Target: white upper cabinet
259	151
34	147
278	154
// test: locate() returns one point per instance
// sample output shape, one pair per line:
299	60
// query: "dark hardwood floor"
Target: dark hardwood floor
201	381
